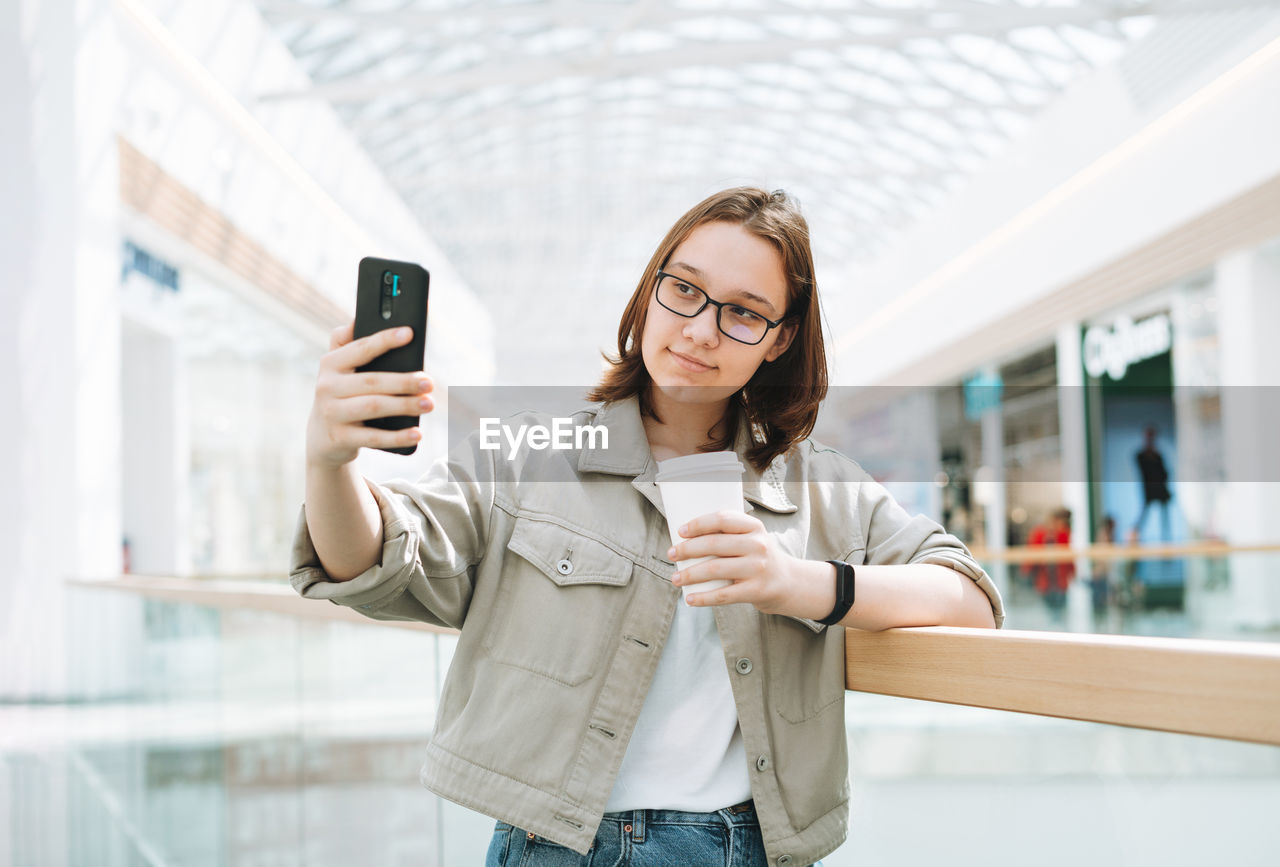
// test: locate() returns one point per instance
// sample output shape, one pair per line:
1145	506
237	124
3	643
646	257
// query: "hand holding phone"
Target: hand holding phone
371	389
391	294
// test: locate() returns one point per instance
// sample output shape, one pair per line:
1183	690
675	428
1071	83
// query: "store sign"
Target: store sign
140	261
982	393
1111	350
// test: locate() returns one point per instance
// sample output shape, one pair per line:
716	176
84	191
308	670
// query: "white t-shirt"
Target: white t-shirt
686	752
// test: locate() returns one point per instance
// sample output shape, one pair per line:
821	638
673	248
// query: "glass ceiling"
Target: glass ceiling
547	146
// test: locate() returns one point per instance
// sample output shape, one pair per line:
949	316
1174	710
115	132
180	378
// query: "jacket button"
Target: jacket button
784	860
744	666
762	763
564	567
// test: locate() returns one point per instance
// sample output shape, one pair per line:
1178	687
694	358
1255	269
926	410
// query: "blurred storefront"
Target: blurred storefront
1126	421
1014	403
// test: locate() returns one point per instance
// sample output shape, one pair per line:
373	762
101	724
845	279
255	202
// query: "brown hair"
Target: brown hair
781	399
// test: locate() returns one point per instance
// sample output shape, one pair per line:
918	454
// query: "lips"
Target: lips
690	364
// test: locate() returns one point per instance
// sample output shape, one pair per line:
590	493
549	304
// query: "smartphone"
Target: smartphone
390	294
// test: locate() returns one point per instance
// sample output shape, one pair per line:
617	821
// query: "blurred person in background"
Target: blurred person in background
1051	578
1155	483
1100	577
597	716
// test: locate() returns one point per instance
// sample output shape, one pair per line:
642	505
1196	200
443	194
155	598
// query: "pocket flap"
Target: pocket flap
566	556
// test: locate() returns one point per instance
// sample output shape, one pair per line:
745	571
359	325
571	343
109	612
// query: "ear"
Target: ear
786	333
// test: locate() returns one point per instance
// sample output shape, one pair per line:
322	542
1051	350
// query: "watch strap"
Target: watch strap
844	593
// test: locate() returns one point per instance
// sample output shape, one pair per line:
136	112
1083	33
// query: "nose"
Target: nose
702	329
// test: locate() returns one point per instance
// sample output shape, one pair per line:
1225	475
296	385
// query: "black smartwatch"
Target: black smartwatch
844	593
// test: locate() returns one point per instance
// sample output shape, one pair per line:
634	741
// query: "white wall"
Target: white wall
1248	289
155	452
59	375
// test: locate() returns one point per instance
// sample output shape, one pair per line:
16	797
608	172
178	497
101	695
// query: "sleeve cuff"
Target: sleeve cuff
374	586
812	624
963	563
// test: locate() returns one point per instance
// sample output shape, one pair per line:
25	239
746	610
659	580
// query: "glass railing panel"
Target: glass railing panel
934	783
249	738
261	738
1184	597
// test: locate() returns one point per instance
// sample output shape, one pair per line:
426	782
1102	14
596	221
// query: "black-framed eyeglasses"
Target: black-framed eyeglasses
735	321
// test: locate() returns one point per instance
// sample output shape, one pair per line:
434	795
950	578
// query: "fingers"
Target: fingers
345	399
735	591
373	382
720	534
717	569
720	545
341	335
358	436
721	522
353	410
735	570
359	352
721	596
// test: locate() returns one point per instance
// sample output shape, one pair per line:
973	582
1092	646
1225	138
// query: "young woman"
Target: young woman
597	716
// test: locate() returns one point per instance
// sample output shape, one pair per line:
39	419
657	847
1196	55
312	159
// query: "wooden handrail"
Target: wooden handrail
272	596
1222	689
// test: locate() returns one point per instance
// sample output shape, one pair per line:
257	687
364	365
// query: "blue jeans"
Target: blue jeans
643	838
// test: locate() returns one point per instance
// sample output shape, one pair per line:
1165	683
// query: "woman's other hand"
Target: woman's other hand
344	398
746	554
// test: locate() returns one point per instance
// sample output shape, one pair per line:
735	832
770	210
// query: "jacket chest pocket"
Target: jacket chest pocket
559	602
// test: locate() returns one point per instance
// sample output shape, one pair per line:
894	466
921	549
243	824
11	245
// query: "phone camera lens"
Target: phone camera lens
386	278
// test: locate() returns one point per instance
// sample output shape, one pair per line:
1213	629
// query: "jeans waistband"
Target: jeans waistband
738	814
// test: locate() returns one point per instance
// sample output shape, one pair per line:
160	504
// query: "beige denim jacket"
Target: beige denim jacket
552	566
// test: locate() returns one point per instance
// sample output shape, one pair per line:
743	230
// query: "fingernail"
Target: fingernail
424	384
424	403
684	529
675	578
404	332
671	553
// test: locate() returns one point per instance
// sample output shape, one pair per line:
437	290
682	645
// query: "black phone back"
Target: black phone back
390	294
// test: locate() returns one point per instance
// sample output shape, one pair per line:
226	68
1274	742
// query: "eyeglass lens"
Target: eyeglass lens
688	300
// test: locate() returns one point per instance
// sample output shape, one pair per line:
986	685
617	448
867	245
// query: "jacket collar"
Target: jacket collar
628	454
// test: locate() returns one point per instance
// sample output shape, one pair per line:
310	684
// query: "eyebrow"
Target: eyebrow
742	293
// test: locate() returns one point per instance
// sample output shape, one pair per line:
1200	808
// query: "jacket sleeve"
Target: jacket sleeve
433	534
894	537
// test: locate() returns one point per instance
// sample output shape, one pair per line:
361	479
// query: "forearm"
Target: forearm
343	520
920	594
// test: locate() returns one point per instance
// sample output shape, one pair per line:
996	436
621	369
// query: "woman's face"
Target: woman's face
690	359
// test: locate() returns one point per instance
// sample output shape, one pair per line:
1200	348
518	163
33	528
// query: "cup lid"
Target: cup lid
695	465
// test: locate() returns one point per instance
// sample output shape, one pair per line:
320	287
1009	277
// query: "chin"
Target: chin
683	392
680	385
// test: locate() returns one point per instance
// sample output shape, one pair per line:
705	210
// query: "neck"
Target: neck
684	425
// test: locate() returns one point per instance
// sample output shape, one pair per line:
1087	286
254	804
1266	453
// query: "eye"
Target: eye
745	314
685	289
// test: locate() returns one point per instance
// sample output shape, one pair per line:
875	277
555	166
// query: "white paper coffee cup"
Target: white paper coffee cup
697	485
